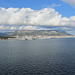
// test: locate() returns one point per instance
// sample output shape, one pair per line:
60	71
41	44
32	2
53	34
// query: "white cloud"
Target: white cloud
55	5
13	28
28	16
27	28
71	2
71	32
30	28
66	28
44	29
2	27
33	28
21	27
68	21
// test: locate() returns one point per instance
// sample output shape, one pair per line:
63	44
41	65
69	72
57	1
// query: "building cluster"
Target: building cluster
41	37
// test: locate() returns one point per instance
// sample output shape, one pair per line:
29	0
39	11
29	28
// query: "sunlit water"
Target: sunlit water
37	57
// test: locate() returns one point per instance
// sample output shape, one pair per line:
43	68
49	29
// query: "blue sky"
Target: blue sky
64	11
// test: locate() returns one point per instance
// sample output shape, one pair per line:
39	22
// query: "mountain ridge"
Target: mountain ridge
39	32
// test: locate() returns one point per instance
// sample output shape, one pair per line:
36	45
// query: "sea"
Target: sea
37	57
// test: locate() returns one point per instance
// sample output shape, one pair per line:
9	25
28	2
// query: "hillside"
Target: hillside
3	34
39	32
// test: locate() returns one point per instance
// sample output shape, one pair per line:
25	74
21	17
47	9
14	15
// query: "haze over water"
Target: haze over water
37	57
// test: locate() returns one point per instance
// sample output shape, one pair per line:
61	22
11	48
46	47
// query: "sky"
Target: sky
37	15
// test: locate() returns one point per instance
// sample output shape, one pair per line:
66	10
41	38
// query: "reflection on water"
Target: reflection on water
37	57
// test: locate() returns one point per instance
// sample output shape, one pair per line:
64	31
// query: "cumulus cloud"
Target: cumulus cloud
27	28
71	2
2	27
68	21
16	16
13	28
28	16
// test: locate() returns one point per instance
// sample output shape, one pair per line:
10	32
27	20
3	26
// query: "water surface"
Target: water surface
37	57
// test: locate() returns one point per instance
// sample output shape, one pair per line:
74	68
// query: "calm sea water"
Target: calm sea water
37	57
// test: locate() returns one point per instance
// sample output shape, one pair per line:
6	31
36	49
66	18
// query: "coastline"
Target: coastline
42	37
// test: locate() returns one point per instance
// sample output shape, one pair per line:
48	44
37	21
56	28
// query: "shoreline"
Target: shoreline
43	37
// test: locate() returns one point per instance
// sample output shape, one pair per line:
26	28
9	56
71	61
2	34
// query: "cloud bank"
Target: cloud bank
3	27
13	28
28	16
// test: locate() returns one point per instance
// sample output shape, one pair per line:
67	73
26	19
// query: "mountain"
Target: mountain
4	34
39	32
